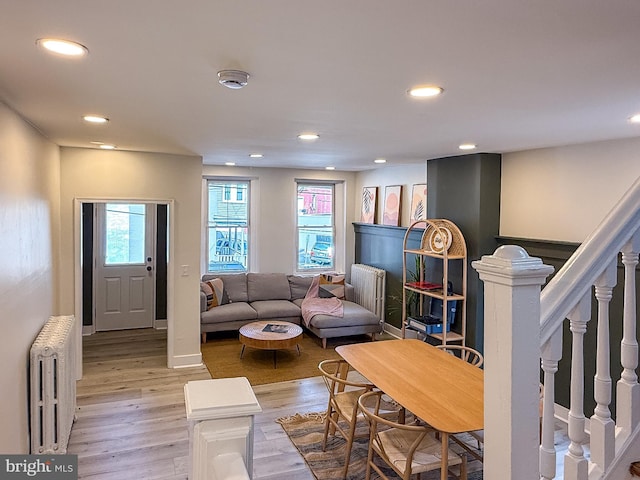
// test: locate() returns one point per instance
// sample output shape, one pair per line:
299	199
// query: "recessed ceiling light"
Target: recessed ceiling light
467	146
95	119
635	118
63	47
106	146
308	136
97	143
379	160
422	91
329	168
256	155
229	164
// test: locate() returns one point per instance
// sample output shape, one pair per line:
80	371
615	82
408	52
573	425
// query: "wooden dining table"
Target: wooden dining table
440	389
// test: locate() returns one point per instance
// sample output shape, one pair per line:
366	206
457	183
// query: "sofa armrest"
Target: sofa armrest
349	292
203	302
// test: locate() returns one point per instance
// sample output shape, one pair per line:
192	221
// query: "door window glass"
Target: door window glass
125	234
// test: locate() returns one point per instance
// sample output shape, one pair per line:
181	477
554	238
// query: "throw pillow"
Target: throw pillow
214	291
333	284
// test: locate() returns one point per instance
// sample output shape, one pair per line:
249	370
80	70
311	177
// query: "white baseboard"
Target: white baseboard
88	330
184	361
393	331
562	413
397	332
161	324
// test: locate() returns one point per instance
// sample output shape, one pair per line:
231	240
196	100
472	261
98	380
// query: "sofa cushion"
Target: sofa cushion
299	286
354	315
334	284
268	286
235	285
267	309
229	313
214	292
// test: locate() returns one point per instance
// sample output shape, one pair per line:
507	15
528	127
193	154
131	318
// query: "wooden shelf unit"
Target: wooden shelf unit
434	245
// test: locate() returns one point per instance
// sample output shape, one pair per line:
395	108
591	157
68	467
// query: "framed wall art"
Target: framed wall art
419	202
369	195
392	200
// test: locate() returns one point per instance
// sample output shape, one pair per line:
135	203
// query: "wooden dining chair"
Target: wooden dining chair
467	354
407	448
343	404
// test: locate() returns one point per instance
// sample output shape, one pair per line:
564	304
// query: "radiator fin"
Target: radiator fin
53	385
369	285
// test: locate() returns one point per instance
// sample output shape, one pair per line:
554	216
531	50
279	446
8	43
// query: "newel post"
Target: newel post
512	281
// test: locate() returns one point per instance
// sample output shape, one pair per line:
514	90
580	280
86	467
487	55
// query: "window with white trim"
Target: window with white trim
227	226
315	224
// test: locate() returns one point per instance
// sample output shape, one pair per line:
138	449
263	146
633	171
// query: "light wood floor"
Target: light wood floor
131	421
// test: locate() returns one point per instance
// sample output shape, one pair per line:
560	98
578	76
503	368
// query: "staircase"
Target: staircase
518	312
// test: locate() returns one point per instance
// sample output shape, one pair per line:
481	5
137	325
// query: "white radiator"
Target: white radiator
53	385
369	288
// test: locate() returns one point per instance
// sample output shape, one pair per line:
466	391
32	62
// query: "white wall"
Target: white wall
98	174
273	216
563	193
29	239
406	175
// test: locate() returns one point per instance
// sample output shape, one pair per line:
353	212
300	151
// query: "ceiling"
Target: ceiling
516	75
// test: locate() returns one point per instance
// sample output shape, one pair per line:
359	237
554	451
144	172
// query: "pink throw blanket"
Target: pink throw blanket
313	304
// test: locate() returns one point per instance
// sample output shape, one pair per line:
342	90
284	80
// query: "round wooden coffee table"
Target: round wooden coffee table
270	335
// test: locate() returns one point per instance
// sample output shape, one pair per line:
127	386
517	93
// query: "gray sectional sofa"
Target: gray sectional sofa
278	296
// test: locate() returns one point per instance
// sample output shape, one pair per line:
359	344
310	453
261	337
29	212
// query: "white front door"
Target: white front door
125	275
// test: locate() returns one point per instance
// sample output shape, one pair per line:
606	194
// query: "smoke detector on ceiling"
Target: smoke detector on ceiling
234	79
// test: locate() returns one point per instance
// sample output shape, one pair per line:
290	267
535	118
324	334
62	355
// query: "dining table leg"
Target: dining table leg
444	465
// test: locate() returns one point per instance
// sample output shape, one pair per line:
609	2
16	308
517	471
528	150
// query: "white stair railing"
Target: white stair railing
568	296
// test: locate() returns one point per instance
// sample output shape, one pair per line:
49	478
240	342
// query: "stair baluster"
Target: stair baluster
628	389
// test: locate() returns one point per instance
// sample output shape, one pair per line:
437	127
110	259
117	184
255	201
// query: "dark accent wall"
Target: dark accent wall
381	246
556	254
464	189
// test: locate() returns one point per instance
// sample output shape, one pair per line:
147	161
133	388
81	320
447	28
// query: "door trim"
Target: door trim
172	360
100	318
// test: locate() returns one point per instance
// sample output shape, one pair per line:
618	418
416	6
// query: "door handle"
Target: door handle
148	269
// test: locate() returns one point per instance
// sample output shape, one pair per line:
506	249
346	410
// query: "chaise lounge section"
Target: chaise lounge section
243	298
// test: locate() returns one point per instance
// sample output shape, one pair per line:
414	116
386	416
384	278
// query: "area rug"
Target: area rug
305	432
221	355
